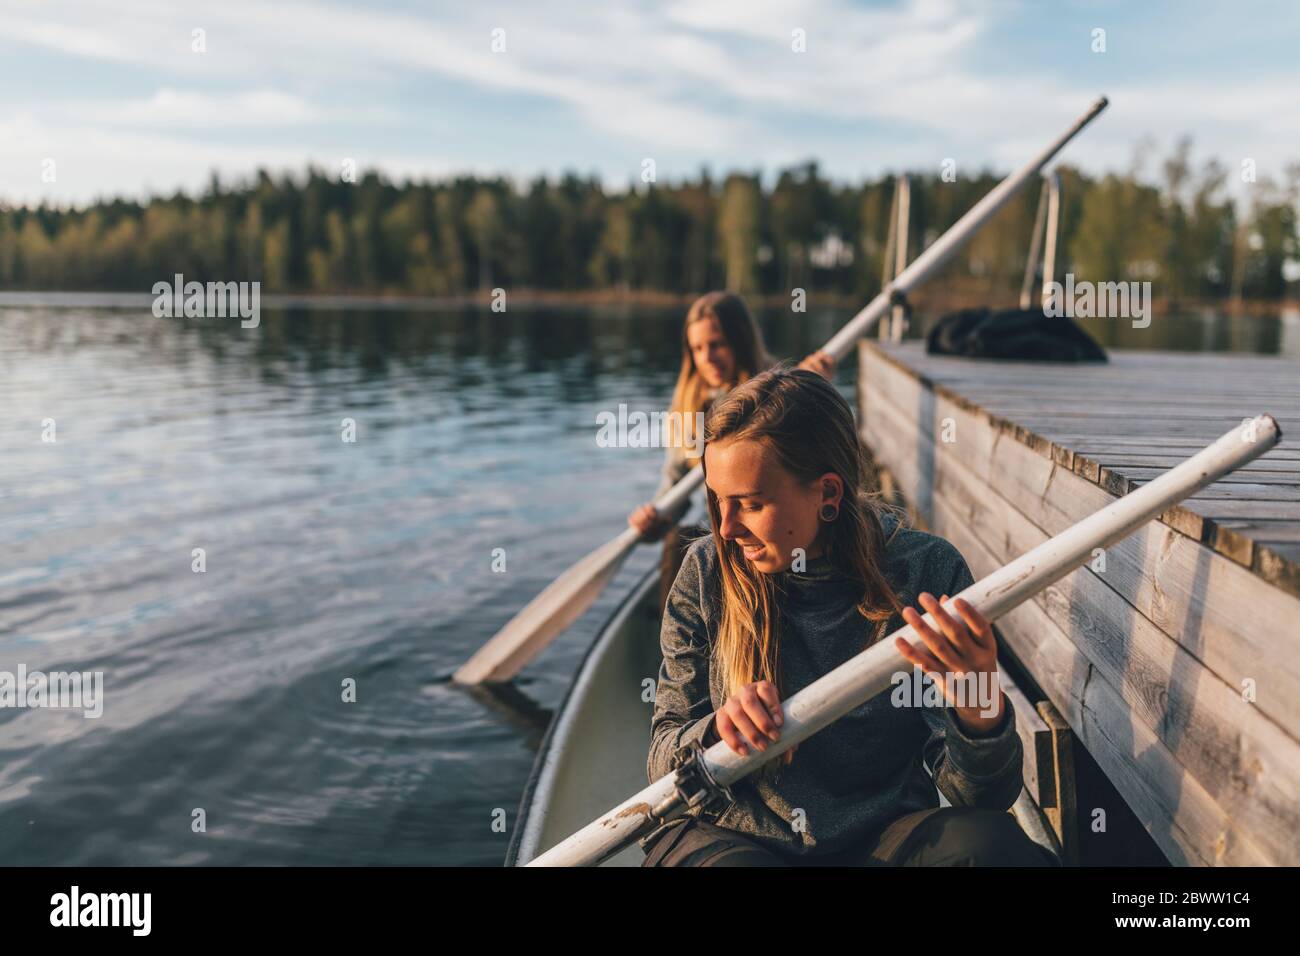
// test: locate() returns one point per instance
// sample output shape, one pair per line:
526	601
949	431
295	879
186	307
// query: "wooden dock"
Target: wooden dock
1175	656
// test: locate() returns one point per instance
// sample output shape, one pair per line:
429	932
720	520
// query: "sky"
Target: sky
103	98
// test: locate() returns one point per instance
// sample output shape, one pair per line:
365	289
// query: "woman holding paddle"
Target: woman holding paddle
721	348
803	570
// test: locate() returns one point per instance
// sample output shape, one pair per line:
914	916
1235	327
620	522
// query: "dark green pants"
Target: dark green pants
941	836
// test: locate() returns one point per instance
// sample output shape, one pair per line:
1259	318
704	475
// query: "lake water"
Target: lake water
325	560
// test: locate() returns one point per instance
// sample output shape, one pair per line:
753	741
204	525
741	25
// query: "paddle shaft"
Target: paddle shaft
867	674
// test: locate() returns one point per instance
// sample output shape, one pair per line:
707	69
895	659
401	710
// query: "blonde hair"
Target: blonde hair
746	341
805	422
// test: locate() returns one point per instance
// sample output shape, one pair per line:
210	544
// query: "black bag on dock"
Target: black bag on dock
1025	334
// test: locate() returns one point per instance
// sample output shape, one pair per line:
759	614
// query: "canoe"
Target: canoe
595	751
594	754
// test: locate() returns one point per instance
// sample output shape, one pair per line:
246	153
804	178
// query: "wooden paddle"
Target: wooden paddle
543	618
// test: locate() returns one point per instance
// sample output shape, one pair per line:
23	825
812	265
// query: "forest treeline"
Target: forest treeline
314	233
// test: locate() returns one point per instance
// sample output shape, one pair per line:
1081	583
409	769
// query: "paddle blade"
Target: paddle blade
546	616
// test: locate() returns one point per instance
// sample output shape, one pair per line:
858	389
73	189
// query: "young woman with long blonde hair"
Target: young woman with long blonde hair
804	569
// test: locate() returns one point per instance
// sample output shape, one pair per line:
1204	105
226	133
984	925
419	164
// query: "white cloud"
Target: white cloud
64	38
93	163
170	108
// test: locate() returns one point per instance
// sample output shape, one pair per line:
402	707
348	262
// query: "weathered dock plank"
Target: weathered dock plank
1148	657
979	387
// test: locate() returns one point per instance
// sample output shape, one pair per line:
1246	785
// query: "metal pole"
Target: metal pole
900	250
1053	220
1035	249
887	270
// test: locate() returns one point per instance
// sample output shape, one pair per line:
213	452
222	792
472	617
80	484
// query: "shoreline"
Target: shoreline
945	300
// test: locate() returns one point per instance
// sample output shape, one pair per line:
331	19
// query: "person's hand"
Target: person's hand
649	522
821	363
964	646
752	717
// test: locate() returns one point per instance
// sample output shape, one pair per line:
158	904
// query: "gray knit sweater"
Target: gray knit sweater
862	771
